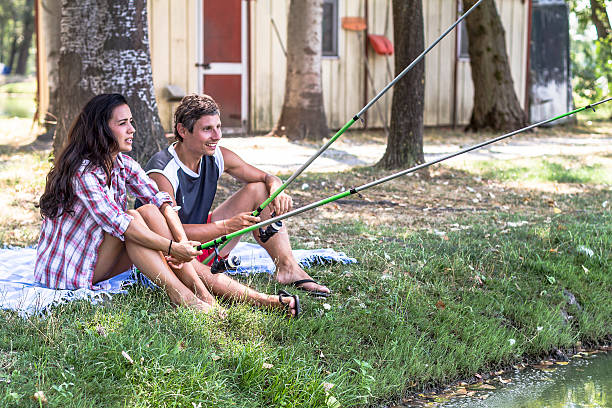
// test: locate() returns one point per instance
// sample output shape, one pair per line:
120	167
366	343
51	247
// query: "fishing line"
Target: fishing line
355	190
348	124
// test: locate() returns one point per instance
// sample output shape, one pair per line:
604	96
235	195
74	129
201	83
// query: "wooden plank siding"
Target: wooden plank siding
174	29
344	77
173	42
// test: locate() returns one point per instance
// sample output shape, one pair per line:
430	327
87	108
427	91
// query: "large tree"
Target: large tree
496	105
405	141
303	115
105	49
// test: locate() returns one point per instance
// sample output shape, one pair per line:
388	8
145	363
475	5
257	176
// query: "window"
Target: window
329	40
463	49
464	43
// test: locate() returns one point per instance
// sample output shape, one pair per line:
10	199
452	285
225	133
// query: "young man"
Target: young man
189	170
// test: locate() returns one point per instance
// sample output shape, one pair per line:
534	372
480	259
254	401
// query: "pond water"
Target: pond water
585	382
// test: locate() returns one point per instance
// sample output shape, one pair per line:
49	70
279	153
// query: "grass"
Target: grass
465	271
559	169
18	99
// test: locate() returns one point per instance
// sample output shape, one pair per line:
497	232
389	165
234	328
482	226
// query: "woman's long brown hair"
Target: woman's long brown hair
90	138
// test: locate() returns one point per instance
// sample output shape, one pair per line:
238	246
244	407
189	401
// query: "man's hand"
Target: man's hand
282	203
240	221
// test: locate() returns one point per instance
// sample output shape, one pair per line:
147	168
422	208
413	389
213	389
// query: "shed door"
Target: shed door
224	62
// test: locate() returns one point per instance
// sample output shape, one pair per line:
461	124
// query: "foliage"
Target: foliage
11	30
591	56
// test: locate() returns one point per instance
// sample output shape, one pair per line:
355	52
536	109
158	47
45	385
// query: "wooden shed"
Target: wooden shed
233	50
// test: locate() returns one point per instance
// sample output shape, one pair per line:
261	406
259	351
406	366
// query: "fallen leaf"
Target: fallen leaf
215	357
440	305
127	357
39	397
485	387
327	386
557	211
101	331
267	366
561	363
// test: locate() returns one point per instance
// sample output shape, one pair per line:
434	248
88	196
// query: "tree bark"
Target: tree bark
496	106
51	19
105	49
405	142
12	54
599	16
26	40
303	115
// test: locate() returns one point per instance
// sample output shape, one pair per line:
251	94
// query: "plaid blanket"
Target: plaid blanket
20	293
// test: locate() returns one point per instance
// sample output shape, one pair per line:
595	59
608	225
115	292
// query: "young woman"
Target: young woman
88	235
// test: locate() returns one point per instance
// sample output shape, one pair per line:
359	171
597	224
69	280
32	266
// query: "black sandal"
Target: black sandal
315	293
283	294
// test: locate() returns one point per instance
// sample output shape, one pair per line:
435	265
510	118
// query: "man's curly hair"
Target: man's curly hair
191	109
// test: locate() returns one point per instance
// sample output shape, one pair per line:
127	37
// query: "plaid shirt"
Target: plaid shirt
68	245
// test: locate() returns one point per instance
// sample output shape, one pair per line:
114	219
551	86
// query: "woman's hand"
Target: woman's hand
184	251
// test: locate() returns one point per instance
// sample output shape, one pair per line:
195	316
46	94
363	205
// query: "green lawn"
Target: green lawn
463	272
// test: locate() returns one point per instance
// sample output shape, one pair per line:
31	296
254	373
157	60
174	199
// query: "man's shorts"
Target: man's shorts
207	251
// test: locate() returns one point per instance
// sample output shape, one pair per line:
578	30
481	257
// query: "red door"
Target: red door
224	59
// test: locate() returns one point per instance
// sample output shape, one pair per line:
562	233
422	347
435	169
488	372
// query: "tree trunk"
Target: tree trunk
599	16
12	54
26	40
105	49
405	142
303	115
51	20
496	106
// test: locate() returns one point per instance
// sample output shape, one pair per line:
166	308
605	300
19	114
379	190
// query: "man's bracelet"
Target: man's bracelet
224	227
169	247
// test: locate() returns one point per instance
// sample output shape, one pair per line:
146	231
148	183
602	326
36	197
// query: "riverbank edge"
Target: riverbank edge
554	356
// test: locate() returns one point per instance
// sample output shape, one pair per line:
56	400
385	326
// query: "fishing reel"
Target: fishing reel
220	265
266	234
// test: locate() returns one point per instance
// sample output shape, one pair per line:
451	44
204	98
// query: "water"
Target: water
585	382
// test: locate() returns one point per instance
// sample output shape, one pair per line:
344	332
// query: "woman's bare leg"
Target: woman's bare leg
115	256
219	284
157	223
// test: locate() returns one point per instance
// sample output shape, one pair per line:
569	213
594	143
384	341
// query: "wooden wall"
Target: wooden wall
173	40
344	77
173	34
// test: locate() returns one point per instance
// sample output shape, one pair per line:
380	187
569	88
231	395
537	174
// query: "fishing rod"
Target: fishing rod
355	190
267	233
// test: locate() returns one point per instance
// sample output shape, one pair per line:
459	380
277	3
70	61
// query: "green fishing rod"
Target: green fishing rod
267	233
225	238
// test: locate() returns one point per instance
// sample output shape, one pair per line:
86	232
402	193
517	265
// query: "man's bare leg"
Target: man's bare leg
278	247
219	284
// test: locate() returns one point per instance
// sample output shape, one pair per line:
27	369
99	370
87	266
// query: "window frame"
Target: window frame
335	29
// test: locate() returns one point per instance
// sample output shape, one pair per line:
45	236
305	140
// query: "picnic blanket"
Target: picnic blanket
20	293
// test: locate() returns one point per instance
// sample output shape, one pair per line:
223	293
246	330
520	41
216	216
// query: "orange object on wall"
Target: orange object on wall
354	23
381	44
